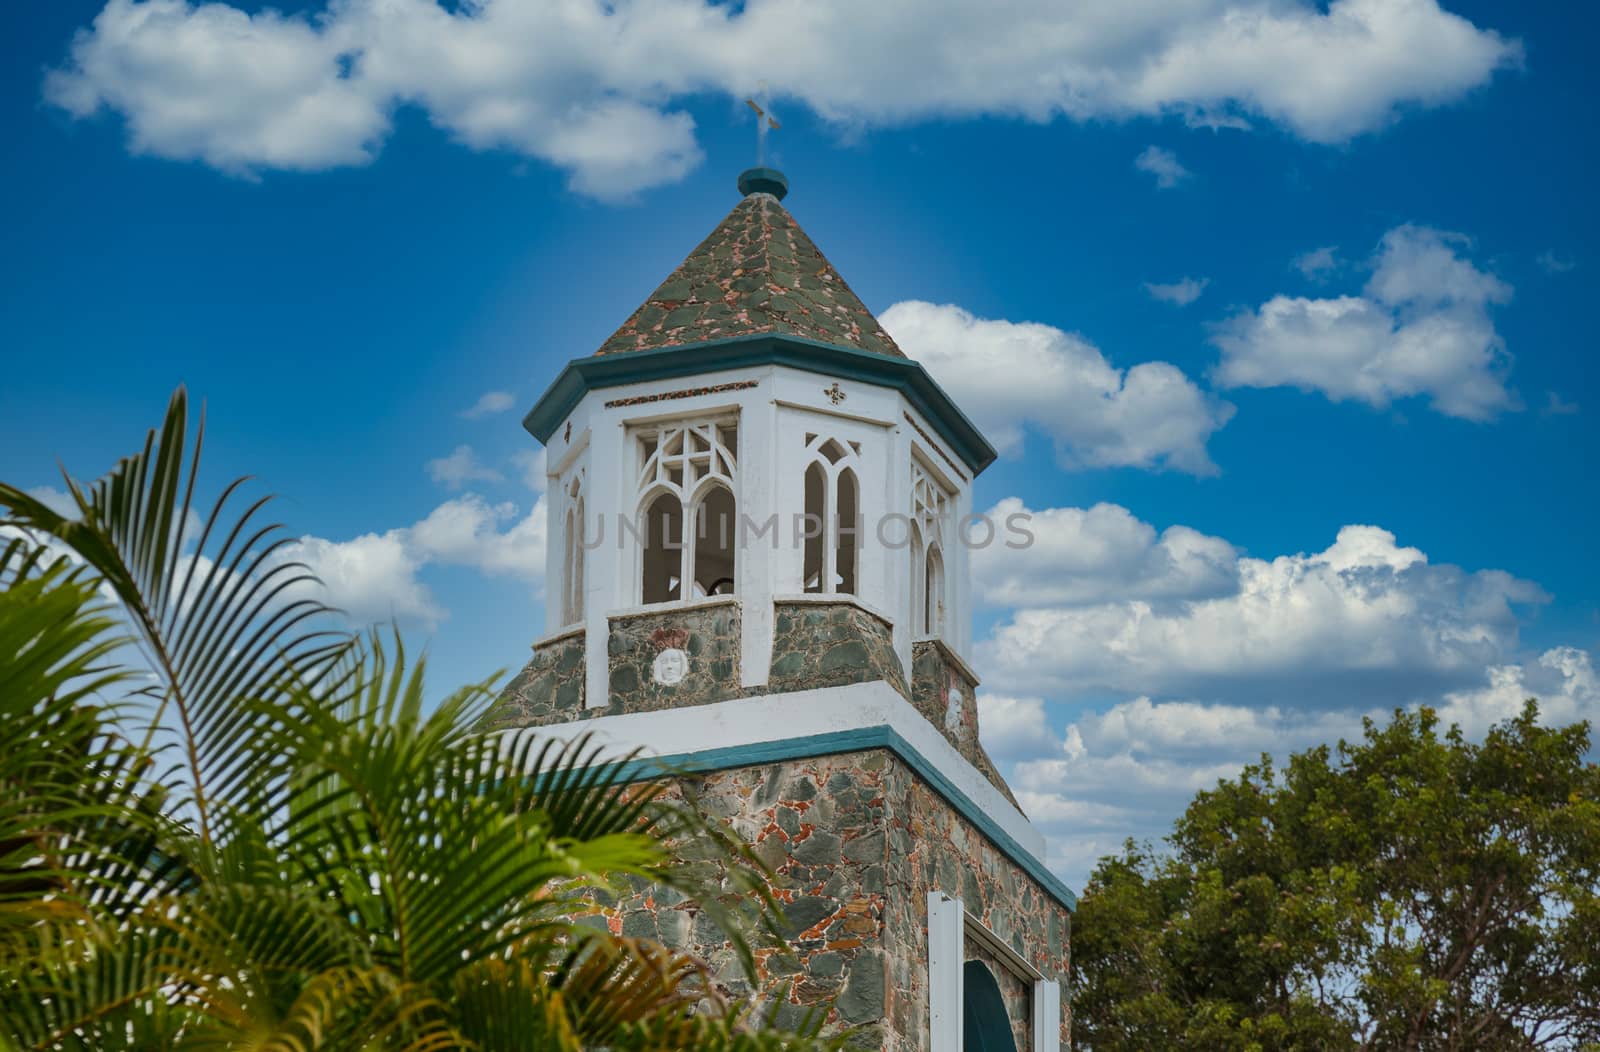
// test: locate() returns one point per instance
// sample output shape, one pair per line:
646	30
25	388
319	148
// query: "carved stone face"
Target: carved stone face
671	665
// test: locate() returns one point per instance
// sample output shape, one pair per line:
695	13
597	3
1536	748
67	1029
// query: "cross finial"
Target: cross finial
764	121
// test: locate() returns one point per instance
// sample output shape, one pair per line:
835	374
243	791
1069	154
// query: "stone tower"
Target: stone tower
757	572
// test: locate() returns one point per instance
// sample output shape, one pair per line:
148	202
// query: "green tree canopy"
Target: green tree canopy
1413	890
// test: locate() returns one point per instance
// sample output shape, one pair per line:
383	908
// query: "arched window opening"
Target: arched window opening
569	566
847	527
662	537
580	556
985	1024
714	548
816	527
919	582
933	592
688	472
830	560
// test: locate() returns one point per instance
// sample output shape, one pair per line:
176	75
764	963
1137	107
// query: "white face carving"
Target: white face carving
670	667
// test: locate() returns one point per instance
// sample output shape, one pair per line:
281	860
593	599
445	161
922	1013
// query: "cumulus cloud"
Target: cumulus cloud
1365	618
490	403
1149	416
591	88
1563	679
1163	165
375	577
1420	327
1103	554
1180	293
461	467
531	463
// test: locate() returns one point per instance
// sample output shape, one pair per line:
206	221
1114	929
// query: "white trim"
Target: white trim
1046	1016
1001	949
669	605
948	652
824	410
830	598
576	628
946	961
797	714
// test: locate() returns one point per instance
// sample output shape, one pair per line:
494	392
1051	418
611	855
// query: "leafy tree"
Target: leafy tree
270	844
1409	891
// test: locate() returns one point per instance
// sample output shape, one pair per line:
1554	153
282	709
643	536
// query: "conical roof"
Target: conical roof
756	274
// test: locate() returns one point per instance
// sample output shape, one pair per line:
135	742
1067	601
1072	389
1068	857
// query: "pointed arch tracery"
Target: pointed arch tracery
831	561
688	508
931	507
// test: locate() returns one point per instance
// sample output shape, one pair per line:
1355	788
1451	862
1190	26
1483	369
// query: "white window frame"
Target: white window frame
949	926
653	478
849	460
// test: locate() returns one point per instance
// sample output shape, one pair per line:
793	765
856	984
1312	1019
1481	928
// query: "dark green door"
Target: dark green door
984	1024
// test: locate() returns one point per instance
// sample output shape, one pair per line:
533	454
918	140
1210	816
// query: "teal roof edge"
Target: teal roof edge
880	737
909	377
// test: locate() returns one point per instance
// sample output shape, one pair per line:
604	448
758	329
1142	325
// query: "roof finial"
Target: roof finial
764	120
761	179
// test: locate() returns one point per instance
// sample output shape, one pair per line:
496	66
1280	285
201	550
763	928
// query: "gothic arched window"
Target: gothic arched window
687	477
830	562
930	511
573	551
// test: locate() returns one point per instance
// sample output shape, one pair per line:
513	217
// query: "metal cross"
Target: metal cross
835	393
764	121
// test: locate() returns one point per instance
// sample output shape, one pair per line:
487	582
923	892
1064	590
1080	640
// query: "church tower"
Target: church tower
760	522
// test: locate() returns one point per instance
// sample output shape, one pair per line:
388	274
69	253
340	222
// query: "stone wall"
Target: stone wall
856	841
818	824
945	692
707	634
831	644
550	689
1017	992
932	848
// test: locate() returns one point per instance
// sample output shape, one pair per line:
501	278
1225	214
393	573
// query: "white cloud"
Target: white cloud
375	577
590	88
1008	373
1421	327
372	578
1318	264
1015	728
1365	617
1163	165
1084	557
1180	293
466	532
532	463
489	403
1563	679
461	467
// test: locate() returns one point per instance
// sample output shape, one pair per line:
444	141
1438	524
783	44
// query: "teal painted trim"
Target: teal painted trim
904	375
880	737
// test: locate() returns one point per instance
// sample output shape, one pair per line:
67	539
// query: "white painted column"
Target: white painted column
608	571
760	489
1046	1016
946	920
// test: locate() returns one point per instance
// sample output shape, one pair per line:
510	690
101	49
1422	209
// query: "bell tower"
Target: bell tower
760	520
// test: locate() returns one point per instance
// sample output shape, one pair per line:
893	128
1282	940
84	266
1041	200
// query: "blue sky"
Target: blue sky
342	227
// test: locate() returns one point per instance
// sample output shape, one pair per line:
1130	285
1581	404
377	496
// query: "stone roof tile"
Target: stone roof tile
757	274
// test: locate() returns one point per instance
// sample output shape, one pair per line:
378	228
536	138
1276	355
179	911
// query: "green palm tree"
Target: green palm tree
271	843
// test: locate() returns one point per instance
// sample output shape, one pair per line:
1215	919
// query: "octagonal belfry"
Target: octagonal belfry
760	523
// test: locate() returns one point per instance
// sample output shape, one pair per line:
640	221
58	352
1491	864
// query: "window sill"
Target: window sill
673	604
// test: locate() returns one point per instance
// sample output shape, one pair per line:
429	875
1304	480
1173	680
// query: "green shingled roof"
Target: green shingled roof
758	273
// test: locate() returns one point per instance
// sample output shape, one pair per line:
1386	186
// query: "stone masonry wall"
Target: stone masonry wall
947	695
709	635
818	824
550	689
831	645
856	841
932	848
